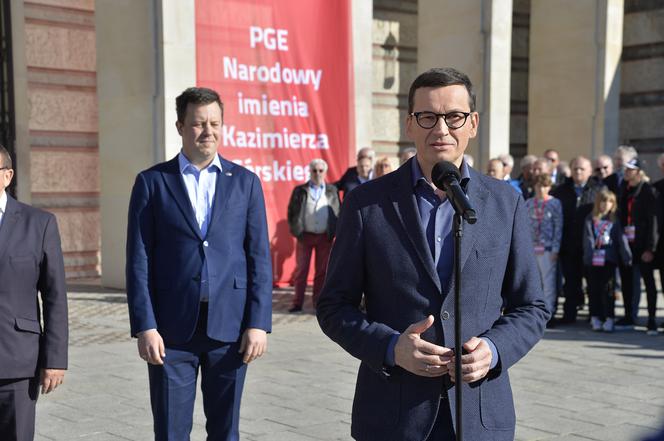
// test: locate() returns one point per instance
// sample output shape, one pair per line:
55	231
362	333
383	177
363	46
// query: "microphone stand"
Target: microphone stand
458	234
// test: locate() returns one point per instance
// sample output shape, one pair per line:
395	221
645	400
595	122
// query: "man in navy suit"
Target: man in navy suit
394	246
199	276
30	262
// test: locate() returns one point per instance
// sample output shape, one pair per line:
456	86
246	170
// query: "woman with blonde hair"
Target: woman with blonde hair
604	247
382	167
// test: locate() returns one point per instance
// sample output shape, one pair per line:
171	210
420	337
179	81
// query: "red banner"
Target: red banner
283	69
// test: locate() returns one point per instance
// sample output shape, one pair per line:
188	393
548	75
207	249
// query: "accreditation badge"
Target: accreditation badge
630	233
539	249
599	257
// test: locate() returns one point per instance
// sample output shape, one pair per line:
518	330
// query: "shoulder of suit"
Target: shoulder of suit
30	211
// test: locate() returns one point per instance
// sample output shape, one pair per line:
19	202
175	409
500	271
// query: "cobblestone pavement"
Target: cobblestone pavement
575	385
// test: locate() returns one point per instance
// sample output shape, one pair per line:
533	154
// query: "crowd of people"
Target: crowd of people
596	220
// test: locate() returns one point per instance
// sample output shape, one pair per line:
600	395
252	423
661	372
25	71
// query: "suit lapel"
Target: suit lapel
478	196
9	219
175	185
222	192
405	206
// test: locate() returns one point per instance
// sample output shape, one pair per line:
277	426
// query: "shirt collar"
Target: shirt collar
312	185
418	175
3	202
185	164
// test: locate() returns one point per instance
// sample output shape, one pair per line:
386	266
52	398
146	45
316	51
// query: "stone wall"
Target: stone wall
62	102
642	82
394	68
519	82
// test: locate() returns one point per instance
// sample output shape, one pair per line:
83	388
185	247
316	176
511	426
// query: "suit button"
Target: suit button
205	243
445	315
196	278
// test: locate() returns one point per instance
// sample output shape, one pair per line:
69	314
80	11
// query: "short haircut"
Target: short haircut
317	162
441	77
196	95
366	152
543	180
580	158
528	160
603	157
506	159
627	151
5	158
498	160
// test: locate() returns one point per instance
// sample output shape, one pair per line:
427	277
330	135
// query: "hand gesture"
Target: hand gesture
475	363
418	356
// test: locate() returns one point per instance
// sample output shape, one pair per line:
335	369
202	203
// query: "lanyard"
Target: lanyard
600	227
630	204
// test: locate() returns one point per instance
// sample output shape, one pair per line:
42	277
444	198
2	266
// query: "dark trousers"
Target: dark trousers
631	288
305	246
573	288
173	387
443	429
601	292
18	398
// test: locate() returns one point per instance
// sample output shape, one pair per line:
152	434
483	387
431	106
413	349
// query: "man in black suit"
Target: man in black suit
30	262
359	174
623	154
577	197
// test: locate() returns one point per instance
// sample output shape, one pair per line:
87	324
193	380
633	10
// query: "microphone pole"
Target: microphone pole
446	175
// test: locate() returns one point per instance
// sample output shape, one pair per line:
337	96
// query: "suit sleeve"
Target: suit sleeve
51	285
338	310
258	311
525	315
140	239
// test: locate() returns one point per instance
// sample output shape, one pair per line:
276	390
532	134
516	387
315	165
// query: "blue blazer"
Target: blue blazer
166	253
381	252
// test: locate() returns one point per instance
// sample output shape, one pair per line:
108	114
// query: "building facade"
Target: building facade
88	88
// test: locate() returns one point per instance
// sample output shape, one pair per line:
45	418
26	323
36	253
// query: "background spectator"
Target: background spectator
383	166
637	210
312	218
406	154
508	162
525	183
623	154
361	173
496	169
604	247
603	167
554	159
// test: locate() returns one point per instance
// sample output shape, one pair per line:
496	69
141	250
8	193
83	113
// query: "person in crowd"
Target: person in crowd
199	275
525	179
394	246
564	170
577	196
383	166
406	154
508	163
603	167
622	155
553	157
604	248
495	169
31	262
638	215
312	218
546	225
361	173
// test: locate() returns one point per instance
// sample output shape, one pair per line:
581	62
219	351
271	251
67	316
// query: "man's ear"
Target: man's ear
178	125
410	120
474	123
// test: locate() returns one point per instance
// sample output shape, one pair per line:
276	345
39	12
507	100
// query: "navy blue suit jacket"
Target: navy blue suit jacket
166	253
31	262
381	252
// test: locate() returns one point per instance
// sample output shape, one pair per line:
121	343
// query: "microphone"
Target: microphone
446	175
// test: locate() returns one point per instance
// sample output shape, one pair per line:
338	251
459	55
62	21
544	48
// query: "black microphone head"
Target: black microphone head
443	171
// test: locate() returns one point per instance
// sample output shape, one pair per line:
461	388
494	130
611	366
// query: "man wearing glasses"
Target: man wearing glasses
312	218
30	262
394	247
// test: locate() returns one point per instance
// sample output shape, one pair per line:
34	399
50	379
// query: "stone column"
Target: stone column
574	87
475	37
145	57
361	16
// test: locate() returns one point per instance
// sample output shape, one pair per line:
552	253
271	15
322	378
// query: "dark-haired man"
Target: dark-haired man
199	276
30	262
394	246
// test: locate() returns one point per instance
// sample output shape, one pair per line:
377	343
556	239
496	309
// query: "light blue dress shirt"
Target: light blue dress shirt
316	191
201	186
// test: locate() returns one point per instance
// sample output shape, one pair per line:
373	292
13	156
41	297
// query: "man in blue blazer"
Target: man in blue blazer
31	264
395	247
199	275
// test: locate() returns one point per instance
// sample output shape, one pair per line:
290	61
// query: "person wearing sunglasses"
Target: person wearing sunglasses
312	218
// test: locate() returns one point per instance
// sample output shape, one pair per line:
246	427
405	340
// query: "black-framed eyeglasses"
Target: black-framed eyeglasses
428	120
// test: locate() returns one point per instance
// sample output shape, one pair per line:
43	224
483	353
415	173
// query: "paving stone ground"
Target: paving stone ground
575	384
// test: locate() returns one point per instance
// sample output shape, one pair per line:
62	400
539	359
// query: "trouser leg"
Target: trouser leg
626	275
323	248
648	275
302	258
18	398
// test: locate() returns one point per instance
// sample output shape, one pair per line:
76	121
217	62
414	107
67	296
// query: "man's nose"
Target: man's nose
441	126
